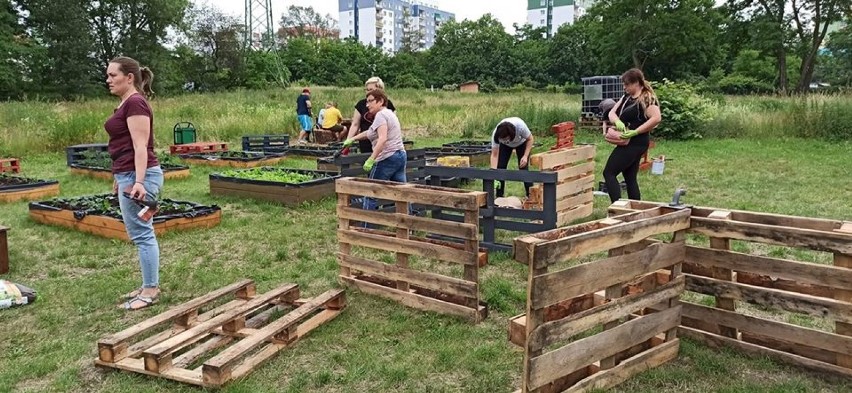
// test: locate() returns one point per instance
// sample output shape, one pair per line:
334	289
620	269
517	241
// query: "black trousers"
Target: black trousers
624	160
504	154
365	146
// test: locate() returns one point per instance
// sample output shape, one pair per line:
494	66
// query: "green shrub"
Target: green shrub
408	81
488	86
450	87
572	88
740	84
684	112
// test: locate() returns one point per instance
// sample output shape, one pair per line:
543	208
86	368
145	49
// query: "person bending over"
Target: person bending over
511	134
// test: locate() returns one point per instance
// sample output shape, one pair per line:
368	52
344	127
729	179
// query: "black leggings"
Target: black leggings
624	160
504	154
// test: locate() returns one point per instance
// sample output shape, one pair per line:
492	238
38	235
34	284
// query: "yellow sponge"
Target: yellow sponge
455	161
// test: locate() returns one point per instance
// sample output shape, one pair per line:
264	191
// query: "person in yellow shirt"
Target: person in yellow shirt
332	118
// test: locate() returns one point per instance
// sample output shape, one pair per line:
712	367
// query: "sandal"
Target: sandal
132	294
147	302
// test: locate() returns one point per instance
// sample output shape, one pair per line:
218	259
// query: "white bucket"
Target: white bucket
658	166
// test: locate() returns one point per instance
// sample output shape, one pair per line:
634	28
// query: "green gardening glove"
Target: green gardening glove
619	125
629	134
368	165
348	142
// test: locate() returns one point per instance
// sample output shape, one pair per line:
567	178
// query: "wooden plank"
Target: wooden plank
574	201
789	347
4	250
155	354
567	217
412	193
402	208
471	272
411	247
581	353
573	187
437	282
607	238
628	368
554	287
842	261
562	329
343	224
547	160
812	305
414	300
219	367
782	236
784	331
575	170
802	272
720	243
409	222
137	366
270	350
717	341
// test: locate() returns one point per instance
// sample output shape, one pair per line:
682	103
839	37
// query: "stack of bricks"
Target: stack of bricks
11	165
564	135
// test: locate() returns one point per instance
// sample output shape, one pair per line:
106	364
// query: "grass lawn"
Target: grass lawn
375	345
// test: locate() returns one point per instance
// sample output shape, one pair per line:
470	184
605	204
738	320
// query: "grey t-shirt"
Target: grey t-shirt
394	141
522	133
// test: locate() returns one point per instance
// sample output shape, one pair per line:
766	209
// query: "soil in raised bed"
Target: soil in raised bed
8	180
107	205
233	155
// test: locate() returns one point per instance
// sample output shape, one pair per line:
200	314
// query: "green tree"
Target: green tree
305	22
472	50
18	53
812	18
217	38
666	38
530	52
836	66
62	27
569	54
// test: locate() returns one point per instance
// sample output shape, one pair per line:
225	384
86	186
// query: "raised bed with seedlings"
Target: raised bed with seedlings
469	144
17	188
234	159
281	185
101	215
98	164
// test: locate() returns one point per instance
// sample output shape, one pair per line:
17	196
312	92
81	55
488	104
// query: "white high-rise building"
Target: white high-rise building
384	23
554	13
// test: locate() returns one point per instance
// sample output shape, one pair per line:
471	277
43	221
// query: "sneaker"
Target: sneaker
302	142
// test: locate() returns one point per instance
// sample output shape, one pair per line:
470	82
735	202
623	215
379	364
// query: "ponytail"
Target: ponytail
648	97
145	82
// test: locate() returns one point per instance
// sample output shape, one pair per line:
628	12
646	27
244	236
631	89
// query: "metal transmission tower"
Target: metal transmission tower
259	22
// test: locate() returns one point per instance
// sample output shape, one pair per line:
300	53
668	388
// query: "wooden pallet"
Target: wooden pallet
425	290
12	165
198	147
574	192
234	338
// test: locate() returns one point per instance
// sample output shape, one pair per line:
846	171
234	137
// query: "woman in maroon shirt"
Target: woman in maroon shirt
135	168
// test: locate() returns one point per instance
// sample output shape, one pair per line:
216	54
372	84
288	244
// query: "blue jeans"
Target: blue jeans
391	168
141	232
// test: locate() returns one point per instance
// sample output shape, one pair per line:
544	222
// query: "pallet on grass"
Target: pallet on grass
4	250
791	288
75	153
415	288
198	147
629	281
575	167
228	341
12	165
266	143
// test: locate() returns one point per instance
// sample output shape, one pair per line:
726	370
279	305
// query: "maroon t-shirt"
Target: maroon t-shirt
120	144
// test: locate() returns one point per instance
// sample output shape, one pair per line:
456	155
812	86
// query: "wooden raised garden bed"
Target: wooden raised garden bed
18	188
306	151
169	171
234	159
282	185
100	215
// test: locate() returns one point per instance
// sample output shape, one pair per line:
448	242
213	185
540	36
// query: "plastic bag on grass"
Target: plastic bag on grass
12	295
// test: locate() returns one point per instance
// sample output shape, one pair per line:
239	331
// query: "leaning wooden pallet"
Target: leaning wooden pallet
230	340
430	290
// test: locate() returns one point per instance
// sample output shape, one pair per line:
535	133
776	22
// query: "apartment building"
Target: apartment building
554	13
387	23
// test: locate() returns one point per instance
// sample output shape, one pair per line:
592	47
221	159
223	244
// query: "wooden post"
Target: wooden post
402	233
722	302
843	260
471	271
612	292
342	223
4	251
679	237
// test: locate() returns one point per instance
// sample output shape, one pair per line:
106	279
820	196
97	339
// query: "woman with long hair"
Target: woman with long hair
137	172
634	116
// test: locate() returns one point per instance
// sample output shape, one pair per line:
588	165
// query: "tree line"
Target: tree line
58	49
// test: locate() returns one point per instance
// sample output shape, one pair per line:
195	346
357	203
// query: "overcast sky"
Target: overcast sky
506	11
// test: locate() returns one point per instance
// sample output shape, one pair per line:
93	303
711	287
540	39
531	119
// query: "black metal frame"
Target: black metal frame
493	217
